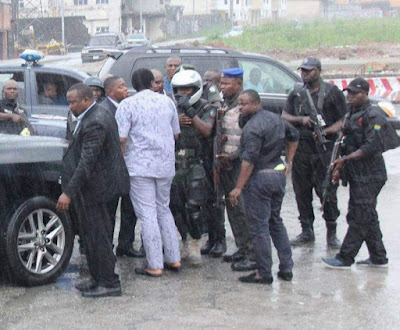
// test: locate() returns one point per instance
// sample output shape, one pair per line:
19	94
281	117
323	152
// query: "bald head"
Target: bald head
171	65
10	90
158	85
213	76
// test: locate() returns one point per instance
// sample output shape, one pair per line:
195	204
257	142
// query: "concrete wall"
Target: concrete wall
303	9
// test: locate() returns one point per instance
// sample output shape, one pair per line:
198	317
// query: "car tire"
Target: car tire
38	242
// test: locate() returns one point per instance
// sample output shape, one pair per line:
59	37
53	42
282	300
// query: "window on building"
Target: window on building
226	2
102	29
21	4
80	2
101	2
161	2
237	2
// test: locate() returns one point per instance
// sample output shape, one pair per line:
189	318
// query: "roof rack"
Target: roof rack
182	50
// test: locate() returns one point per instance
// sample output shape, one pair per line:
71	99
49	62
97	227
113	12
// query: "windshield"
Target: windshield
102	41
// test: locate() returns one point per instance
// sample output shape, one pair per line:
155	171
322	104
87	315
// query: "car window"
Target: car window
103	41
52	88
18	76
148	63
202	64
266	77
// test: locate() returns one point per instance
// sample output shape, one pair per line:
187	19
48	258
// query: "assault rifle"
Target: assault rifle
217	150
328	185
321	140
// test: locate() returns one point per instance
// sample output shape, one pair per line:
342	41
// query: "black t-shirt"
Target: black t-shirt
264	138
8	126
333	109
363	130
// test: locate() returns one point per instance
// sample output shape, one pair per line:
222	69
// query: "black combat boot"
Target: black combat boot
218	249
331	238
306	237
207	247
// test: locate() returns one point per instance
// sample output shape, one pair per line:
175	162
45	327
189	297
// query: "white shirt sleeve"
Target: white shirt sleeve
123	116
176	129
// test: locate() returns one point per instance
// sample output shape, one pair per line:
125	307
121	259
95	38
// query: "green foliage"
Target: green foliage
298	35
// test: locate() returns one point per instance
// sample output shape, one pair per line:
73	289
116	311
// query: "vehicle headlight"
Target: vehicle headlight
388	108
85	51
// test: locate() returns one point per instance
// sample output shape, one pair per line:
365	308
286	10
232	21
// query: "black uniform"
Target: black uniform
192	187
262	143
310	162
363	130
8	126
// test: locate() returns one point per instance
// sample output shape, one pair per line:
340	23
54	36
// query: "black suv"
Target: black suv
94	51
275	82
36	240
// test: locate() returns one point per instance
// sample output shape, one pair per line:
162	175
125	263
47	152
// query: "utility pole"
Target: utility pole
231	12
62	25
141	16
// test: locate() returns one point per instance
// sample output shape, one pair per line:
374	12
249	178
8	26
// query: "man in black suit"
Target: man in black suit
116	91
93	173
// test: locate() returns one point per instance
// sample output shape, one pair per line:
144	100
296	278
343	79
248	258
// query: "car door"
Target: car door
271	79
49	115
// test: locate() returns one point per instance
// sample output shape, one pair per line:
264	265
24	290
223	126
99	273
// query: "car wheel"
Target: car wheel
38	242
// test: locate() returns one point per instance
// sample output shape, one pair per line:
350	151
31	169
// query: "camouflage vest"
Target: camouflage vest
231	129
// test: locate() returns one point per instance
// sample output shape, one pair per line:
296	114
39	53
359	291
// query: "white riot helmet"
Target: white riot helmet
188	78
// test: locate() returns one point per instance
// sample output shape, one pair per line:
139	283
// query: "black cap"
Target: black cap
310	63
357	85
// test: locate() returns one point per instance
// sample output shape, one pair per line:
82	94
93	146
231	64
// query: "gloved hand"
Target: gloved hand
184	105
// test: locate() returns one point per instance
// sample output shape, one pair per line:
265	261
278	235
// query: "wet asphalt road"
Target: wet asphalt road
211	296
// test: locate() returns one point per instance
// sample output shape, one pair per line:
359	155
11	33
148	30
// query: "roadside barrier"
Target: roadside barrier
386	87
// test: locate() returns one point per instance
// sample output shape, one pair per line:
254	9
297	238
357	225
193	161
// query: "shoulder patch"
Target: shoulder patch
213	89
213	112
377	127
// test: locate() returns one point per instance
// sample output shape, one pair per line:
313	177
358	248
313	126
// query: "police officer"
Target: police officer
229	159
312	159
97	86
13	119
192	187
262	174
363	166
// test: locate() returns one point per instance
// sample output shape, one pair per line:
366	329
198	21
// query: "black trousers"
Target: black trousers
128	221
95	228
263	196
236	214
363	223
308	173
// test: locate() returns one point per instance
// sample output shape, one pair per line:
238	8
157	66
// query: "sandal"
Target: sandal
172	268
143	271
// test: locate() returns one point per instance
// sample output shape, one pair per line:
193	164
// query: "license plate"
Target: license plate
95	57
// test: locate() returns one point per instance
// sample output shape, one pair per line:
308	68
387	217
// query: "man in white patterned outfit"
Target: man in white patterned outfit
148	123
